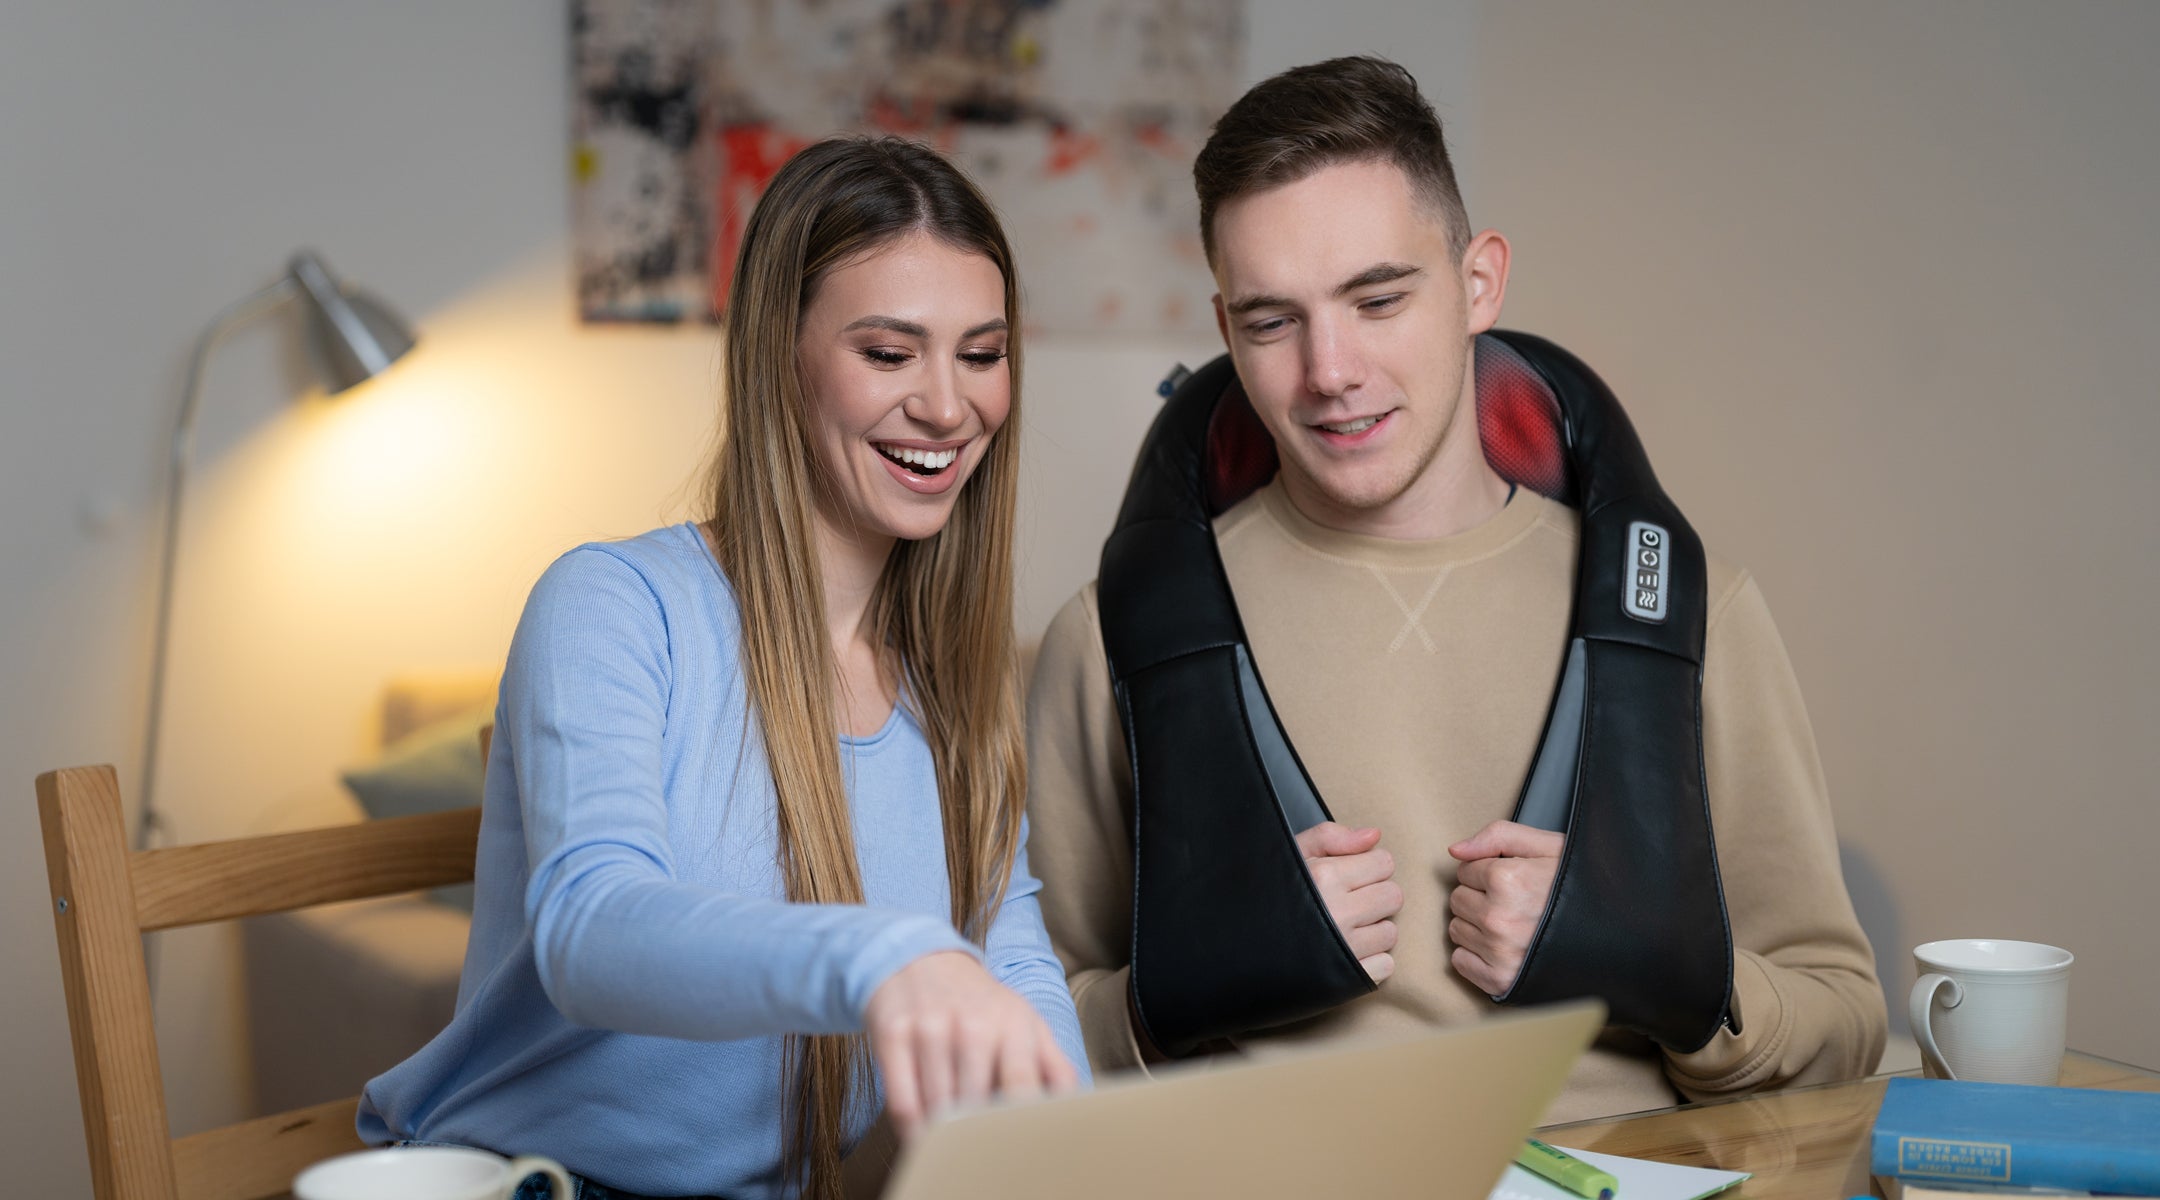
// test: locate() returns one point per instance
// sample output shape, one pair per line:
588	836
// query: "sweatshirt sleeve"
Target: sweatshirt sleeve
1080	806
619	941
1810	1007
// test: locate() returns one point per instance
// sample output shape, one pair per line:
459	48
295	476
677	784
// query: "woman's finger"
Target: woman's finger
1019	1071
934	1064
903	1090
975	1053
1058	1072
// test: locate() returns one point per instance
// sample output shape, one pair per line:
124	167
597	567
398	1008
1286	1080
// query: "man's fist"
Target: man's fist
1356	879
1507	873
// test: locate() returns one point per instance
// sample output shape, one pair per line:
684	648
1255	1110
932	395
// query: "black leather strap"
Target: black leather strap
1235	935
1637	913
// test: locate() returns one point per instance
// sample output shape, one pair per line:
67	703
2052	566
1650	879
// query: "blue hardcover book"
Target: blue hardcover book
1999	1133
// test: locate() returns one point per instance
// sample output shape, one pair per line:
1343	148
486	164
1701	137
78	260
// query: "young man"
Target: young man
1410	612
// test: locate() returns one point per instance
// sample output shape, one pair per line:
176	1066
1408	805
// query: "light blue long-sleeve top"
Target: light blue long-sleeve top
633	964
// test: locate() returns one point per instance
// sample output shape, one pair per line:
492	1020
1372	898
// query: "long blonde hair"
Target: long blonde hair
941	615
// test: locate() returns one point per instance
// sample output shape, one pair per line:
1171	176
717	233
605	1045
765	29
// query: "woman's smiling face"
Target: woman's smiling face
903	355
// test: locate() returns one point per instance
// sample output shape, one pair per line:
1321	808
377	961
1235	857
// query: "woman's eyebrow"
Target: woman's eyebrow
892	324
911	329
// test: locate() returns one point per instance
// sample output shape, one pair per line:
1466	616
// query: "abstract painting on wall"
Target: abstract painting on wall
1079	118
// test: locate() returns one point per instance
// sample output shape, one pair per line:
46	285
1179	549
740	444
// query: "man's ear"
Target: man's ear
1485	267
1222	321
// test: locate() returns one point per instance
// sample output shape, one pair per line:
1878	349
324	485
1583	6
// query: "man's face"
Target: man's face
1350	324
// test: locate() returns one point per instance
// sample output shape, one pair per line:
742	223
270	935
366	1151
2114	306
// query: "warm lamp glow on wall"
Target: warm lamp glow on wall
353	338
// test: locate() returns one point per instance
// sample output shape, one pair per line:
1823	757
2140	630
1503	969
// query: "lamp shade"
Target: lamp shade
354	337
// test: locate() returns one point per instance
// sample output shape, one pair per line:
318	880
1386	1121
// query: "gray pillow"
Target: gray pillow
435	768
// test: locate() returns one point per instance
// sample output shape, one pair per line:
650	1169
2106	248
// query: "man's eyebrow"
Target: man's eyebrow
1378	273
1245	304
894	324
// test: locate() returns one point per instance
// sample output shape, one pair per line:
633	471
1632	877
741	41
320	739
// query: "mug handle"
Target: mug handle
525	1166
1922	1005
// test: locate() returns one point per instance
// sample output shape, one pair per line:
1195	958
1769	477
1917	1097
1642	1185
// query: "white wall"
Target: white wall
1912	236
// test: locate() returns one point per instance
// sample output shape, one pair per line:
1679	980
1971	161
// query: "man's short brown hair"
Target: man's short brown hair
1292	125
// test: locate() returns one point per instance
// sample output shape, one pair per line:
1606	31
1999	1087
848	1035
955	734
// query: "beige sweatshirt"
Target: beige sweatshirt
1414	678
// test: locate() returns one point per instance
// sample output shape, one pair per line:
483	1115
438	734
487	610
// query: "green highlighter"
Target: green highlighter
1566	1170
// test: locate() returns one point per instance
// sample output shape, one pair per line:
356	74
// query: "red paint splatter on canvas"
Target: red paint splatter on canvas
750	155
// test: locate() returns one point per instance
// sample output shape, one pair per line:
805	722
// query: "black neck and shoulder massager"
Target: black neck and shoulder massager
1229	933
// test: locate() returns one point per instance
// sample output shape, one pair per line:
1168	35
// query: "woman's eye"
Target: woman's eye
885	355
983	359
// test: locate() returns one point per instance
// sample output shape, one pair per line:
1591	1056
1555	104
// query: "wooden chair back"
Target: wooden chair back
106	896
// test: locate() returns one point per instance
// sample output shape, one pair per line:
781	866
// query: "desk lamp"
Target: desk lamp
354	338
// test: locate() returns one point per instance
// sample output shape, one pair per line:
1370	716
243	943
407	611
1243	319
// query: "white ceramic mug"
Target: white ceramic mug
426	1173
1991	1010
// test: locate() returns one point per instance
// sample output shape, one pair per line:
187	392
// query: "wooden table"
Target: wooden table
1809	1143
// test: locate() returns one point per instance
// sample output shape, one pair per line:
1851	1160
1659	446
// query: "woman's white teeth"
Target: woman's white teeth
926	460
1358	426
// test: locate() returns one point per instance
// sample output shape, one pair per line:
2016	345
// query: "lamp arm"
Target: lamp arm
175	491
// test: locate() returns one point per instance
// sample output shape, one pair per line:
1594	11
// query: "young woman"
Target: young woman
753	813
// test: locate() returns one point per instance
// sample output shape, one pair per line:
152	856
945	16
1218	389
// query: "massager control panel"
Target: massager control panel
1648	577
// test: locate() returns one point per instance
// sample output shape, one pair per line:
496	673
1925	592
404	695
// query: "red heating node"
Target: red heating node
1519	422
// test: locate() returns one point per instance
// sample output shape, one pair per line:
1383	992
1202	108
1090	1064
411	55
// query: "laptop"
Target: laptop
1435	1116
